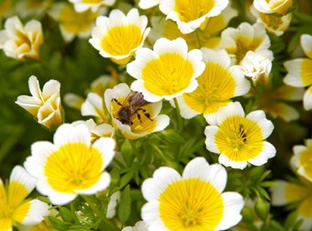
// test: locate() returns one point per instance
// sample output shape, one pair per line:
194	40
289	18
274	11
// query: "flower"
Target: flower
73	23
189	14
44	105
167	71
146	4
273	102
240	139
32	8
272	6
302	159
83	5
193	201
14	208
44	225
206	32
119	36
216	86
112	204
139	226
71	165
300	194
141	118
237	42
300	71
257	65
18	41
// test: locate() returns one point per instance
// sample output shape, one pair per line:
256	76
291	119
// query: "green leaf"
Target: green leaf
57	224
262	209
124	207
66	214
173	136
126	179
115	177
127	152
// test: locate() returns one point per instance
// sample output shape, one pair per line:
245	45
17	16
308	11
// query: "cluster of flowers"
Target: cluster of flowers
180	59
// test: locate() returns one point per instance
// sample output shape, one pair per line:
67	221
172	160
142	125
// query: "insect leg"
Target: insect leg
116	101
147	115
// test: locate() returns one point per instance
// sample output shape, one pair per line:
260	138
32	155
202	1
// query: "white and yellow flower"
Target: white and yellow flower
189	14
295	193
216	86
301	162
272	6
193	201
73	23
32	8
167	71
44	105
300	71
14	207
119	36
142	122
94	5
72	165
18	41
139	226
238	41
240	139
257	65
207	32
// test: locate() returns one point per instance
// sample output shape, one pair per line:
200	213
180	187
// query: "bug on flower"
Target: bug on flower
130	106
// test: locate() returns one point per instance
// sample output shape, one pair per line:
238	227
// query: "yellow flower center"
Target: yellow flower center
306	72
6	210
239	138
92	1
73	166
191	205
121	40
189	10
215	87
306	161
271	21
167	75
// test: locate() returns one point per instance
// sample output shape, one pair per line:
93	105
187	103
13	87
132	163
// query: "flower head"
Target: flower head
131	114
189	14
18	41
272	6
239	139
237	42
83	5
44	105
302	159
167	71
72	165
119	36
32	8
14	207
73	23
216	86
139	226
193	201
300	71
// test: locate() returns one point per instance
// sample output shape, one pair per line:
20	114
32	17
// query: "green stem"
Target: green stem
73	210
198	38
180	120
159	152
112	226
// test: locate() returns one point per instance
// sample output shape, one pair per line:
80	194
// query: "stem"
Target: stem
180	120
73	210
159	152
198	38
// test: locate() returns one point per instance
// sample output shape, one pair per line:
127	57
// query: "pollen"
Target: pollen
191	204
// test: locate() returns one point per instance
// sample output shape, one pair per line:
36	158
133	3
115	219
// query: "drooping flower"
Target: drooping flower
139	226
193	201
300	71
167	71
189	14
44	105
301	162
73	23
257	65
18	41
273	6
207	32
119	36
94	5
133	116
216	86
240	139
299	194
238	41
14	207
72	165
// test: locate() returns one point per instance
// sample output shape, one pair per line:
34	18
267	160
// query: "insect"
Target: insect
130	106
